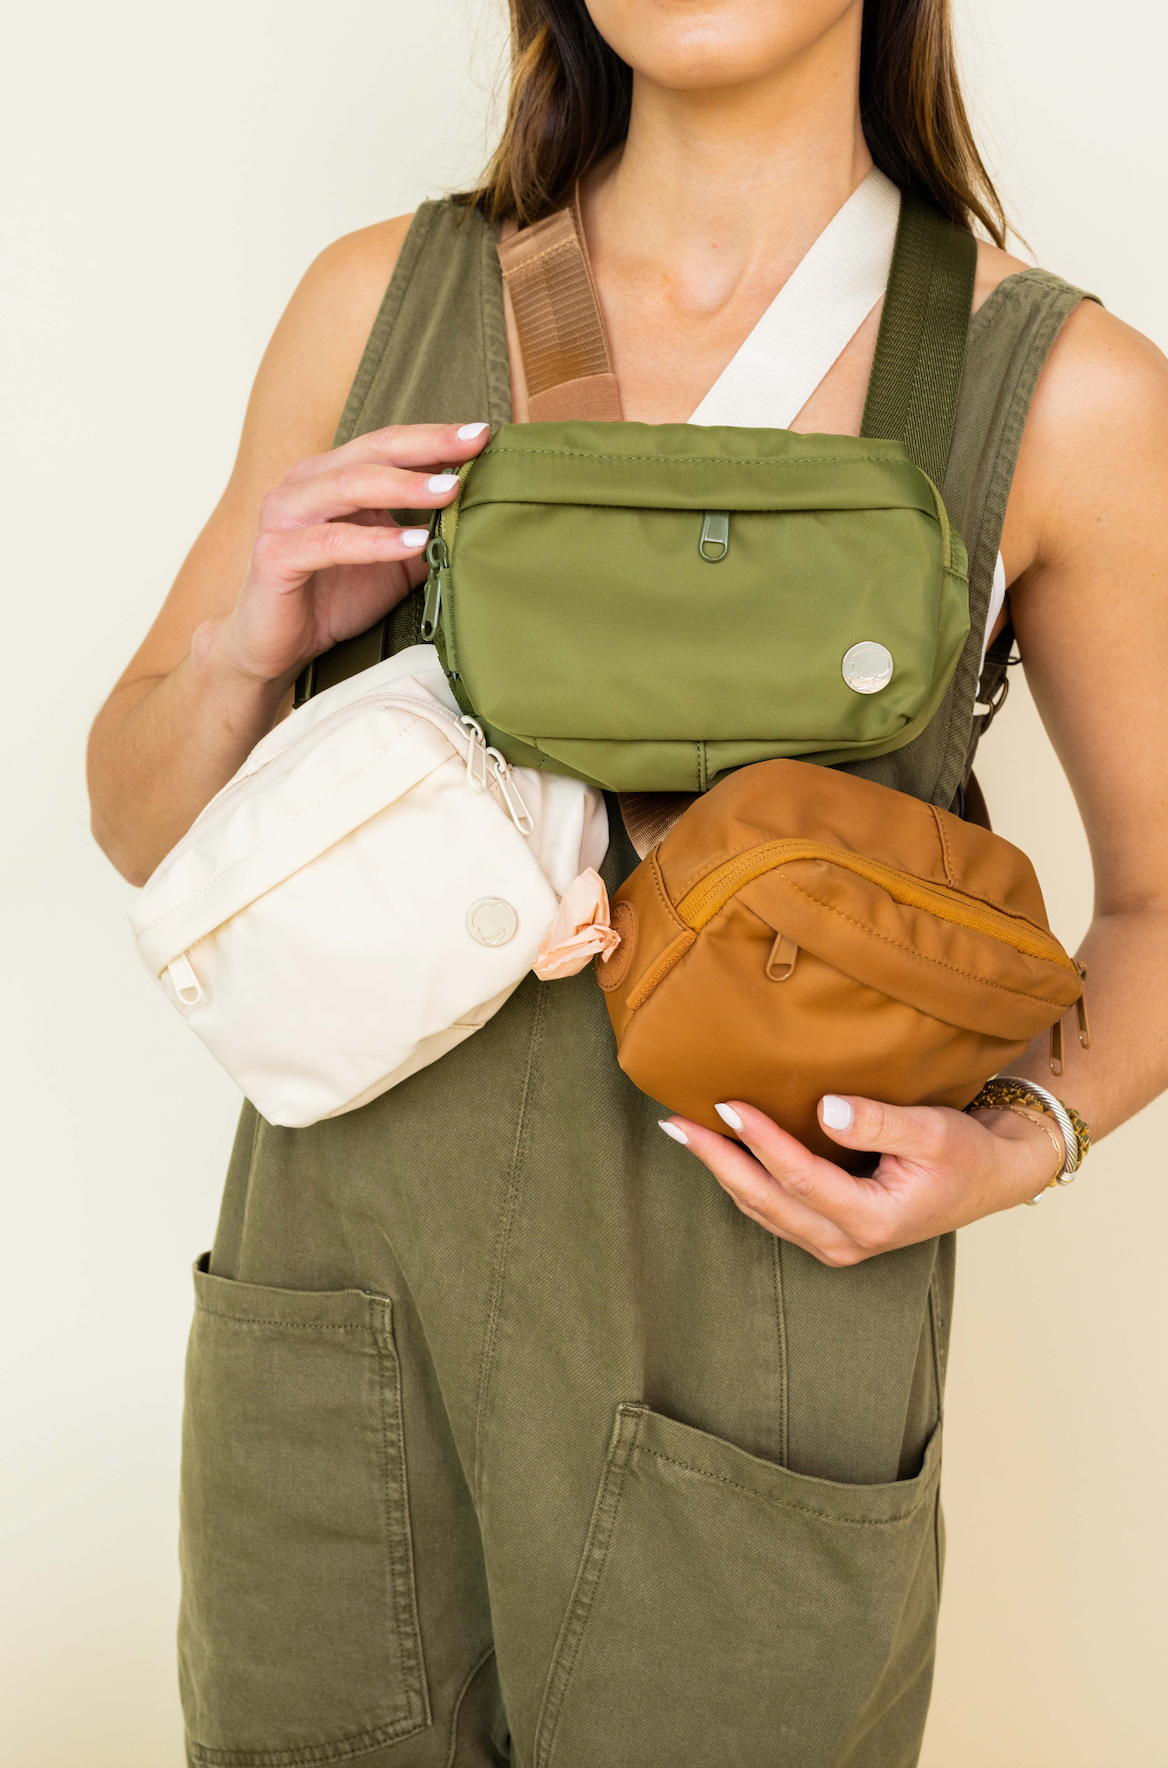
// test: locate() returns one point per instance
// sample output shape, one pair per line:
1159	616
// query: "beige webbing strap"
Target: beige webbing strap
557	316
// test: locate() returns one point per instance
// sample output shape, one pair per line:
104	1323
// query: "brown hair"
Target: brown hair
570	97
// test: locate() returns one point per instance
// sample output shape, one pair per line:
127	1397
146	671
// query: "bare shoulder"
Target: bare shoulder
1093	466
314	353
1099	416
993	266
1102	378
1100	371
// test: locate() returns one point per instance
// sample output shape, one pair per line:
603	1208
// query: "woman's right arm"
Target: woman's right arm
300	553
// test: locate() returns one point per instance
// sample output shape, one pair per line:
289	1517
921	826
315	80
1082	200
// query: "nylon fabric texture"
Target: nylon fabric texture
563	531
634	1442
799	932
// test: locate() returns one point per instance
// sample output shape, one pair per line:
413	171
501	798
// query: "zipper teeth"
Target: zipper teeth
703	902
436	714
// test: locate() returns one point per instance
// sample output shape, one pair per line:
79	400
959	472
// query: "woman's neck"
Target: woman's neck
716	195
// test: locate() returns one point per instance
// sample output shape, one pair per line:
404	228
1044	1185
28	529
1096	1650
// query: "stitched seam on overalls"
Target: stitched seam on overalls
343	1749
781	1332
452	1747
396	1501
935	1343
852	1522
502	1246
1016	394
601	1529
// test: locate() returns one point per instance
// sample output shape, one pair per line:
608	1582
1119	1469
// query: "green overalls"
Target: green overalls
508	1438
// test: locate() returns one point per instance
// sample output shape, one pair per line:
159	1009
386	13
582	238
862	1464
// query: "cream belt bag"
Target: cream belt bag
364	894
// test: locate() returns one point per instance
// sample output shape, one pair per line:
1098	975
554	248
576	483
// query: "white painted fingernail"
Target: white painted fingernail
415	536
671	1129
837	1113
440	482
468	432
728	1115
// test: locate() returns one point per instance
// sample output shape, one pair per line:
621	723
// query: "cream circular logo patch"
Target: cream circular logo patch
491	921
867	667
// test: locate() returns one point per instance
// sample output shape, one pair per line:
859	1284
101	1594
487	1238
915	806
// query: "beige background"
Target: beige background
177	168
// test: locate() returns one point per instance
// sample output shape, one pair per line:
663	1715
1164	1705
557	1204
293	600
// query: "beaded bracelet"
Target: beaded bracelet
1005	1093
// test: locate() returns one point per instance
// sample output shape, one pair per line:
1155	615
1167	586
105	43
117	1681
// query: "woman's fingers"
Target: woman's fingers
416	446
289	555
911	1132
850	1203
779	1188
342	489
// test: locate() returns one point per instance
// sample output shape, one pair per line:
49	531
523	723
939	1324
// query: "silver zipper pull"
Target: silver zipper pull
715	541
477	775
520	815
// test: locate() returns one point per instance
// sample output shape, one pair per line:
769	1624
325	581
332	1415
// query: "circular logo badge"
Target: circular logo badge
491	921
867	667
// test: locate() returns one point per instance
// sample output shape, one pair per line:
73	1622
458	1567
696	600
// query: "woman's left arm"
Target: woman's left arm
1085	546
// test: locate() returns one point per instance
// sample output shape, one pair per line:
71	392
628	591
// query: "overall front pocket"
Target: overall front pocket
298	1634
730	1612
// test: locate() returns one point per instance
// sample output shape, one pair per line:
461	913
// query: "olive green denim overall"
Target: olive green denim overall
508	1438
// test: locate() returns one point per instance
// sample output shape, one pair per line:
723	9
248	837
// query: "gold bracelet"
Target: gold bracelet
1005	1093
1060	1158
1004	1090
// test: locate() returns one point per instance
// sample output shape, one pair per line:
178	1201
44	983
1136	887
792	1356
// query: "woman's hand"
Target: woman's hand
328	559
938	1169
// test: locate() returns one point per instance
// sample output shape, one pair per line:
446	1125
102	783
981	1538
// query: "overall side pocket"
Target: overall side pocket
298	1633
727	1610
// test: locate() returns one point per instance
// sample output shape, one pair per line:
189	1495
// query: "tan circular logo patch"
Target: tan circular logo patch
491	921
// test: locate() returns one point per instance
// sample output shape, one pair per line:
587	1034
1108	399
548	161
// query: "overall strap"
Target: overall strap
920	349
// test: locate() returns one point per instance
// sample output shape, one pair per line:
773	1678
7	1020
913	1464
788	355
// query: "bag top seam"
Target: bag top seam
275	834
702	460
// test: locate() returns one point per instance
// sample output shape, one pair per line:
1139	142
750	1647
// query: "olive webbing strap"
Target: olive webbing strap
920	348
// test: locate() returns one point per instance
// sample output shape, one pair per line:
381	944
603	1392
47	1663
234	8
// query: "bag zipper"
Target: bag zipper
703	902
438	559
481	761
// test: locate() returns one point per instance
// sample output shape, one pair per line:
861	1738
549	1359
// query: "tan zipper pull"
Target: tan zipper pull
1081	1010
782	959
1056	1047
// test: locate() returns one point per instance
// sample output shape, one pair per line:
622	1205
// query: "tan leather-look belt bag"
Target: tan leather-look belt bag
801	931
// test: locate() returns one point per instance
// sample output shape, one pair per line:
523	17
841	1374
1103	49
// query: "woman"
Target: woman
509	1435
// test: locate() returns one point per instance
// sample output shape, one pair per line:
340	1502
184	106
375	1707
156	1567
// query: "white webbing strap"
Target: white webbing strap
814	316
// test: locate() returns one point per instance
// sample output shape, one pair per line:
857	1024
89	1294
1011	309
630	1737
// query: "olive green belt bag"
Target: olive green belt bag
647	606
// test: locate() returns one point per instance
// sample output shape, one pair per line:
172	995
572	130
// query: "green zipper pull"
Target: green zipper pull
715	541
438	560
